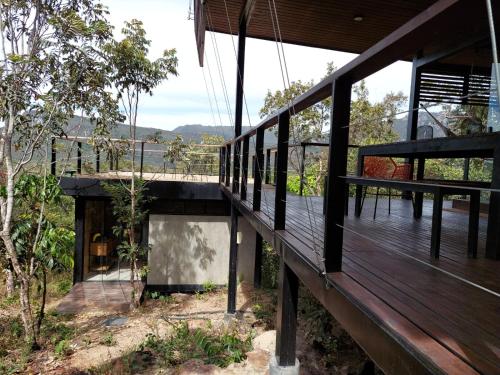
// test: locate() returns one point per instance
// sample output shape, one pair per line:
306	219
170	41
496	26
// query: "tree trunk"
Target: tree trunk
41	313
9	281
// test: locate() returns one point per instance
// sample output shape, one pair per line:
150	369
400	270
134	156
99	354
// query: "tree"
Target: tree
370	123
176	151
134	74
41	244
51	65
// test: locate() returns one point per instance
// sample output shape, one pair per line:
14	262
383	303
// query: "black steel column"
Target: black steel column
238	113
233	251
337	167
268	166
79	238
79	158
142	159
233	262
97	160
275	169
244	169
228	164
302	169
493	234
413	105
419	197
281	171
253	166
286	316
53	158
222	164
259	163
257	272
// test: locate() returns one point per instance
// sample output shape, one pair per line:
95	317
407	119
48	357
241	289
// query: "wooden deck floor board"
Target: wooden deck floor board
390	258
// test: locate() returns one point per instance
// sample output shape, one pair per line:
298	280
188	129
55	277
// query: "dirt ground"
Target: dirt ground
95	346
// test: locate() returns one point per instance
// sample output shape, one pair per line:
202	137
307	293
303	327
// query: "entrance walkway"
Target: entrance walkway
110	296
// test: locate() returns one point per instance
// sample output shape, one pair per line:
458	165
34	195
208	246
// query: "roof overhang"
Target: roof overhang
342	25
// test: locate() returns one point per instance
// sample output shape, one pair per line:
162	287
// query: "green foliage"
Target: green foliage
33	233
209	286
270	267
133	71
220	349
307	124
52	66
161	297
323	333
108	339
62	349
121	201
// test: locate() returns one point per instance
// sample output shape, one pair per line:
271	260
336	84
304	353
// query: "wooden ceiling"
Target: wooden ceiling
318	23
327	24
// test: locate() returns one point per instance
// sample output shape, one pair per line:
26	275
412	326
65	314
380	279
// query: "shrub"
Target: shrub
209	286
270	267
108	339
220	348
62	349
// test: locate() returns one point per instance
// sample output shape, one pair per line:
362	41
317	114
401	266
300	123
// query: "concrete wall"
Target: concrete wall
192	249
188	249
246	251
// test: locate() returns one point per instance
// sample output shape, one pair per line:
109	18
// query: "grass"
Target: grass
108	339
219	347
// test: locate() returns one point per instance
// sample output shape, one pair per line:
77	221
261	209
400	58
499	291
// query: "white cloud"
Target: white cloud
183	99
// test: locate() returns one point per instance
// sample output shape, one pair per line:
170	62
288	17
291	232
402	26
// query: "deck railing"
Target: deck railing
399	44
81	157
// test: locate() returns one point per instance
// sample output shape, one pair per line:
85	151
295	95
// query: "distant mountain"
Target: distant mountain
401	124
190	133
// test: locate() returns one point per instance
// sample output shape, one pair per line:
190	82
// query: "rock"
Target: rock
258	359
265	341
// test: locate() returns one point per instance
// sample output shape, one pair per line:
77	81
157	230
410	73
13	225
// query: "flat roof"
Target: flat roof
342	25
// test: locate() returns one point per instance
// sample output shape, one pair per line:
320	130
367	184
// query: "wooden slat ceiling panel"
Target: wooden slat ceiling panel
319	23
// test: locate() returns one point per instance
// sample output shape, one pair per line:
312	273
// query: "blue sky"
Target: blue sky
183	100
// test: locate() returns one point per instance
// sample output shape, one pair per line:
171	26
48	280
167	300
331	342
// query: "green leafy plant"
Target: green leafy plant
62	349
219	348
53	65
41	244
209	286
108	339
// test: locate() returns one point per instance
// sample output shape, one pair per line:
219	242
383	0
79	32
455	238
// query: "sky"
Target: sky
184	99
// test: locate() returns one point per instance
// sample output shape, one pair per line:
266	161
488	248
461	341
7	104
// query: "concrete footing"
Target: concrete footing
275	369
229	318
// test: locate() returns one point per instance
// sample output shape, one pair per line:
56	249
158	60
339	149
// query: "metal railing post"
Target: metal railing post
79	158
53	158
228	165
281	171
259	164
302	169
244	168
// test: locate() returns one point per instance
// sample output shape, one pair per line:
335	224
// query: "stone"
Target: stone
258	359
266	341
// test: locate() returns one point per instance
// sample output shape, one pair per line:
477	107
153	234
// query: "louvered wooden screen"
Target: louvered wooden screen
454	88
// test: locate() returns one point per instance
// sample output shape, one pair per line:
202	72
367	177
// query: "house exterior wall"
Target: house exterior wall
246	251
188	250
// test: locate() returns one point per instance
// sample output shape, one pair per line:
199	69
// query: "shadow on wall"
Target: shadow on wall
188	249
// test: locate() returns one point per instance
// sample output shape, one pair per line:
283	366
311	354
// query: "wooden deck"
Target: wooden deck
411	313
96	296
